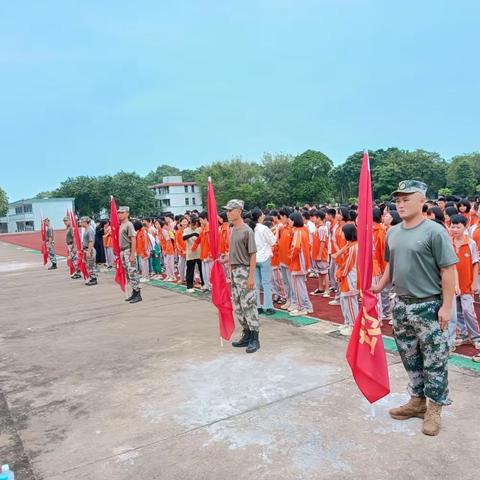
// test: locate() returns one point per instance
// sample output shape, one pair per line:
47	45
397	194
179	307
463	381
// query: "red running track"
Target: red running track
321	307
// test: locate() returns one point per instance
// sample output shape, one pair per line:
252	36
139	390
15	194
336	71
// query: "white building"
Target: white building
26	215
176	196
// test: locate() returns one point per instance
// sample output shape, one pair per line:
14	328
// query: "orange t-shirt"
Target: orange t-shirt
347	262
465	265
203	241
300	248
224	243
180	244
379	239
285	244
142	243
107	237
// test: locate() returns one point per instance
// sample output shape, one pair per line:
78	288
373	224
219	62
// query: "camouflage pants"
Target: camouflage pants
423	348
73	257
91	263
244	299
133	278
51	252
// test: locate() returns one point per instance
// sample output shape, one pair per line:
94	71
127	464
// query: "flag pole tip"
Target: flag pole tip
209	179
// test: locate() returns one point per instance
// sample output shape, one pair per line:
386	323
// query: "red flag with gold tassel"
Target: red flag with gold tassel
365	352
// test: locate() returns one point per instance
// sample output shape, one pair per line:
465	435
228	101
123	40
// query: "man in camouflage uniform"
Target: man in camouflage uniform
89	253
242	258
50	244
72	249
421	267
128	253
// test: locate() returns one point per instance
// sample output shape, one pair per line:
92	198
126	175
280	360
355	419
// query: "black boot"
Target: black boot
53	266
75	276
254	343
245	338
131	296
136	297
92	281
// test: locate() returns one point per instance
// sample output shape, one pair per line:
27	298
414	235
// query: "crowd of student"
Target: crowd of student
296	243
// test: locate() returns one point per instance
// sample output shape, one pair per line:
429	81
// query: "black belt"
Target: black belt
410	300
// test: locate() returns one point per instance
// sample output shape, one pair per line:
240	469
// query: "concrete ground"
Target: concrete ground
95	388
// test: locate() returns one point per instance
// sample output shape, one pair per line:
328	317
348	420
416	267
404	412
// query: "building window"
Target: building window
163	190
27	208
193	188
166	202
186	188
18	210
193	201
187	201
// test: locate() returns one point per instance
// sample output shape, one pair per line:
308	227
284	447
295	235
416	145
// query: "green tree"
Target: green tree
88	192
46	194
474	160
234	179
3	202
309	178
156	176
461	177
445	192
130	189
275	168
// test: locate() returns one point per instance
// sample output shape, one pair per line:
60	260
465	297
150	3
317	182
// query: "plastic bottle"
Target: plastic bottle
7	474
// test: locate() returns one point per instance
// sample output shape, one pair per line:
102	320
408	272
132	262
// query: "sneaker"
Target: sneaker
260	310
310	311
298	313
387	318
452	349
144	280
203	288
269	311
316	292
476	358
476	345
285	306
334	302
391	322
291	308
326	295
346	330
190	290
462	341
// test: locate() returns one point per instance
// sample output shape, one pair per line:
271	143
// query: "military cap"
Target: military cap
411	186
123	209
234	204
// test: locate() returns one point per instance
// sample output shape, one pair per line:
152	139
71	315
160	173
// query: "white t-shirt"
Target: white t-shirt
264	239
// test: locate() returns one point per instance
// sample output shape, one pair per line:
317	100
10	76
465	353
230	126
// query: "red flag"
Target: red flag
220	292
78	244
365	352
43	232
120	275
70	264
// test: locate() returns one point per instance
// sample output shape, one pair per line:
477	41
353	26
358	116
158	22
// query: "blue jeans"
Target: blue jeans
263	273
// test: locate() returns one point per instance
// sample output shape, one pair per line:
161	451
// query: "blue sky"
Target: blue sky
91	88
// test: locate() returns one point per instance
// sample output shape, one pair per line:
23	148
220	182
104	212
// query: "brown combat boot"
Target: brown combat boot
416	407
432	422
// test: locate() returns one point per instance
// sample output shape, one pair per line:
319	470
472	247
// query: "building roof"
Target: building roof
173	184
37	200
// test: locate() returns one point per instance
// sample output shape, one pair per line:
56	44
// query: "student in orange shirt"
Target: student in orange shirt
467	273
320	254
347	277
224	241
181	249
107	243
142	250
203	241
279	293
331	222
379	238
338	241
166	237
284	241
299	266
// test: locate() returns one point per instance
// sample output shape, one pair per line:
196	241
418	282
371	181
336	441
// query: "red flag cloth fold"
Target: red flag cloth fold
78	244
120	275
43	232
365	352
70	264
220	292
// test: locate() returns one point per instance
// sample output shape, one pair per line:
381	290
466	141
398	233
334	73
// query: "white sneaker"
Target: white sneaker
310	311
346	330
144	280
190	290
334	302
204	288
298	313
285	306
326	295
477	345
291	308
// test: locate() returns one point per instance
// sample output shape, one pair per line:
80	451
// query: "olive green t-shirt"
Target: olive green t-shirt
242	245
126	233
416	256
